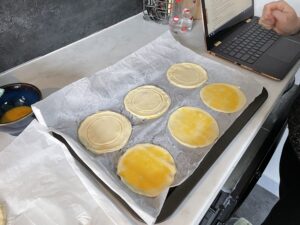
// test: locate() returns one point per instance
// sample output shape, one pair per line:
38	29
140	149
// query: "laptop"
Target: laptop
233	33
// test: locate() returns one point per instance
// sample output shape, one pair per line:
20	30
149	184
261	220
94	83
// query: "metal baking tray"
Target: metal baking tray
176	195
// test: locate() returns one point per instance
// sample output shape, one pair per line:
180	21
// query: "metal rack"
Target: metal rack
157	10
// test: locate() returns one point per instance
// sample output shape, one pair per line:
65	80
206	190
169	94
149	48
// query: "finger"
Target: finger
270	7
270	22
279	16
266	25
267	17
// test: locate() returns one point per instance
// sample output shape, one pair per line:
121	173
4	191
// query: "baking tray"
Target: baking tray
176	195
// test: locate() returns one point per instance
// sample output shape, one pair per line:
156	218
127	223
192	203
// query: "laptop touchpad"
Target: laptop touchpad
285	50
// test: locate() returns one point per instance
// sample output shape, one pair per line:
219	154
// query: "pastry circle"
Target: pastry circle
105	131
223	97
187	75
147	169
193	127
2	215
147	102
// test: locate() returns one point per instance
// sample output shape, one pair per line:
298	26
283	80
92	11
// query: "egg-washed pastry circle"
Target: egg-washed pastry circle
223	97
187	75
193	127
104	131
147	102
147	169
2	215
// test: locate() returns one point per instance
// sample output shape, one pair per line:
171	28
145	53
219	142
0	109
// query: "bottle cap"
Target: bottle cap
186	10
176	19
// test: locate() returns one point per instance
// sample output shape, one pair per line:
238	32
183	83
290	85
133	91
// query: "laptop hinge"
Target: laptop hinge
217	43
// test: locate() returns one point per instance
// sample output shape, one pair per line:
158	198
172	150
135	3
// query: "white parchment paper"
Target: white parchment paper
38	185
64	110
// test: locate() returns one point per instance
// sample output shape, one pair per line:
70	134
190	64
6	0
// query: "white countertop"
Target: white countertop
57	69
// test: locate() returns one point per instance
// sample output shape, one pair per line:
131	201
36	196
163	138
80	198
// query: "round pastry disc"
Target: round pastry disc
147	169
147	102
105	131
193	127
223	97
2	215
187	75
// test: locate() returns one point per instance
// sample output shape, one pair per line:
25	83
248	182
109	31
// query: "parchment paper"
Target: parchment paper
64	110
38	186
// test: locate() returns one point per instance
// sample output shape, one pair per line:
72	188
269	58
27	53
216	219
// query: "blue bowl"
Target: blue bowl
18	94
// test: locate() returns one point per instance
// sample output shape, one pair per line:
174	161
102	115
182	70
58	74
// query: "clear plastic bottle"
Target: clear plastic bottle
175	24
187	20
181	17
175	16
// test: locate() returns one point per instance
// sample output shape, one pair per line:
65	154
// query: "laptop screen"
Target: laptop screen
220	12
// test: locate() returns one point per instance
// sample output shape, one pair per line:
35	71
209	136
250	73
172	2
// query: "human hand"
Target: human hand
280	17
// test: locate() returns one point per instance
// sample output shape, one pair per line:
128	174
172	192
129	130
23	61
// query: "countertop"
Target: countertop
84	57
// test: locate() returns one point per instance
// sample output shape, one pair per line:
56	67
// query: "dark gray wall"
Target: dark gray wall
31	28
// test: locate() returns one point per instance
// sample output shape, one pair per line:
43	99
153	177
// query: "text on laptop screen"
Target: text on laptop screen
219	12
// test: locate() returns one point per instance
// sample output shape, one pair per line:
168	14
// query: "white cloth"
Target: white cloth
38	185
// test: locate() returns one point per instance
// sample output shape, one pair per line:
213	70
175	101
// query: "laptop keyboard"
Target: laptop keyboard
251	44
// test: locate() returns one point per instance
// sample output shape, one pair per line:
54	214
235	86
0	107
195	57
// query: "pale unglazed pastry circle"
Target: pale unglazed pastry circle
193	127
222	97
187	75
2	215
147	169
104	131
147	102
